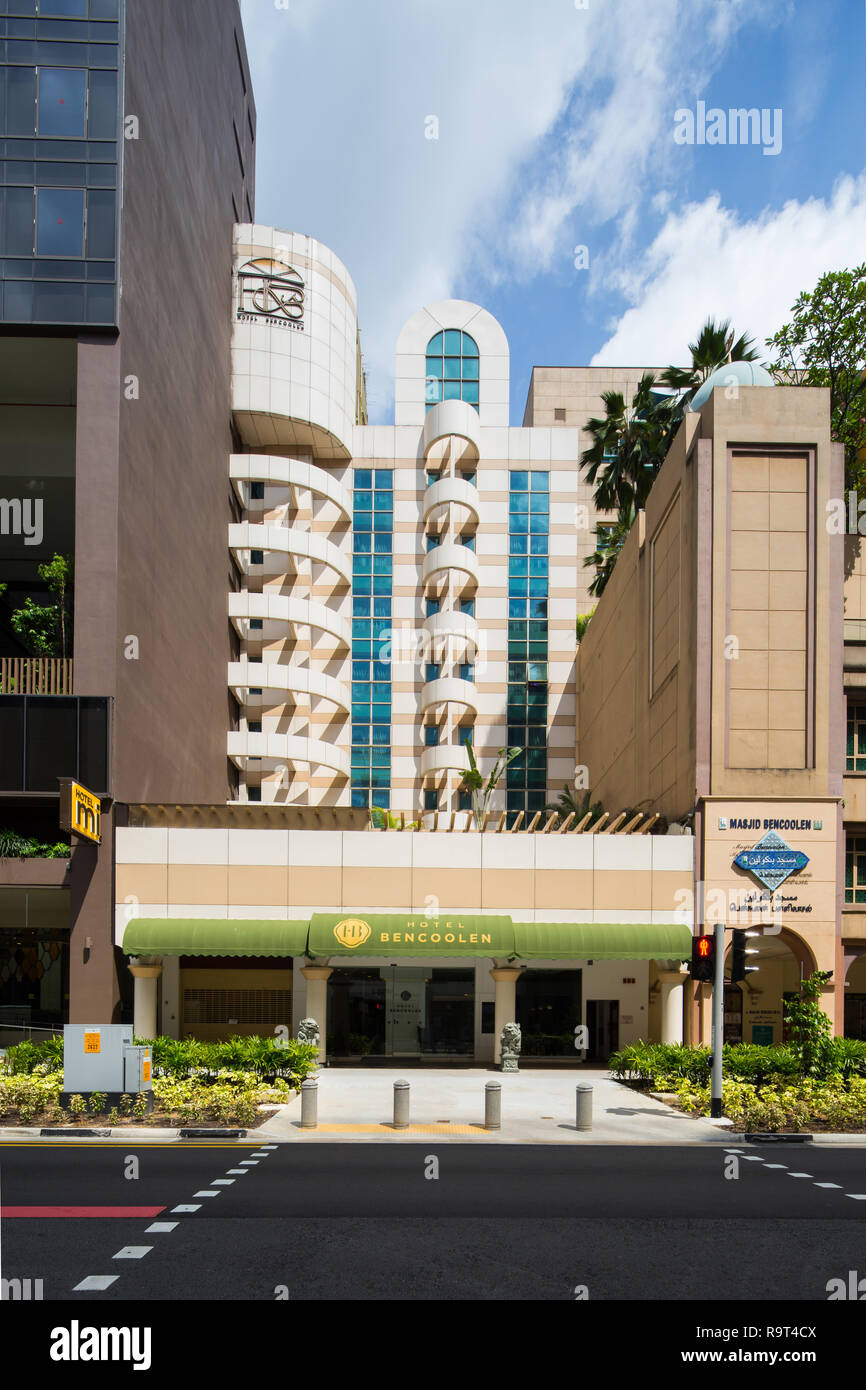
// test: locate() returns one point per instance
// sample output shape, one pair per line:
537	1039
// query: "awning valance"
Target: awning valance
191	936
399	934
602	941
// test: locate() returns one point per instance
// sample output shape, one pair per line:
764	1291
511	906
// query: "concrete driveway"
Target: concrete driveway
538	1107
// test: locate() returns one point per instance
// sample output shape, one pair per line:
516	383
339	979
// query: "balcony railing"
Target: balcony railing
35	676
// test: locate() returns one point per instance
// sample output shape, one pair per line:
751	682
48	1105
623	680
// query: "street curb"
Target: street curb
212	1133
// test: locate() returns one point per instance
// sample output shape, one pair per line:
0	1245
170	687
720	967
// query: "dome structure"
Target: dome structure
731	374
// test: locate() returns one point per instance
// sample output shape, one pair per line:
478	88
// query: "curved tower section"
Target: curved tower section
295	400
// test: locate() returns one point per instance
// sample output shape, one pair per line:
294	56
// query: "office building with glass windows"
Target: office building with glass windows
115	424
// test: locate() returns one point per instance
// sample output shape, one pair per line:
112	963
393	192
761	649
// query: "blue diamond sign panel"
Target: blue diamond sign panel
771	860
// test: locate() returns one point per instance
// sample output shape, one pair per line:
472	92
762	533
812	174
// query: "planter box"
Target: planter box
34	873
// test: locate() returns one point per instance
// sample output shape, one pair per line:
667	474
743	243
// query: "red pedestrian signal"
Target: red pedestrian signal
703	958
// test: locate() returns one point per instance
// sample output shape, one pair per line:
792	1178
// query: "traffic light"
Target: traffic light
739	951
703	958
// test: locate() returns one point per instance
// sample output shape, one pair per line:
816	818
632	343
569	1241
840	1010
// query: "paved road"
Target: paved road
366	1223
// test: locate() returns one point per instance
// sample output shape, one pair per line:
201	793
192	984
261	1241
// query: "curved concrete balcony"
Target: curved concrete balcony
270	752
457	630
443	558
276	682
280	477
455	419
456	492
281	614
282	546
449	690
446	757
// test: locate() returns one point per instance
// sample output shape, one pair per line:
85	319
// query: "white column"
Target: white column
317	977
504	1006
672	1006
144	1009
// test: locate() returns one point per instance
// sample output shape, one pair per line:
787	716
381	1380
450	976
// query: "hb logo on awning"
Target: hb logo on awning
352	932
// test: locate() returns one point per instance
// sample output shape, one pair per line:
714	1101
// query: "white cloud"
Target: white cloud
543	109
706	261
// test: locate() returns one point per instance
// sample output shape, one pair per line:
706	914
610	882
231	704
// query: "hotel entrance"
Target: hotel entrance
401	1011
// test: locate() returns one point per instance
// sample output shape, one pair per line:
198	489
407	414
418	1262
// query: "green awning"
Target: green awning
402	934
602	941
206	936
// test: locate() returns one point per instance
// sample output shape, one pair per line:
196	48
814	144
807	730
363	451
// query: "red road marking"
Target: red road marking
79	1211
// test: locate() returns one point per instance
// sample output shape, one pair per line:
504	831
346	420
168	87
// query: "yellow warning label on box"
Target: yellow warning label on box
92	1042
145	1071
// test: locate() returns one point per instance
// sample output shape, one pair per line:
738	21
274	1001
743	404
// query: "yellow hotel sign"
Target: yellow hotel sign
80	811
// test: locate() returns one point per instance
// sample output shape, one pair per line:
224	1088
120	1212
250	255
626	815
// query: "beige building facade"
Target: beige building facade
710	685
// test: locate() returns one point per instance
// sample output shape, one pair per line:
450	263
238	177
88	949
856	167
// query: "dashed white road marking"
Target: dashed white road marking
267	1146
777	1165
206	1193
829	1184
133	1252
799	1175
184	1210
752	1158
222	1182
161	1227
96	1283
856	1196
249	1162
238	1172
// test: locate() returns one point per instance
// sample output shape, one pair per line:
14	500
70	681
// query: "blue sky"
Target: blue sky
555	130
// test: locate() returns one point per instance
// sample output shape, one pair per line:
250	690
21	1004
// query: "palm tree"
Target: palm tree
567	804
714	348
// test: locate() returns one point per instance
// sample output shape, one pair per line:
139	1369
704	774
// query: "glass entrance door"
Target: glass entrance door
405	1001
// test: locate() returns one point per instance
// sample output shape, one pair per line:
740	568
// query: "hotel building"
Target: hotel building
281	755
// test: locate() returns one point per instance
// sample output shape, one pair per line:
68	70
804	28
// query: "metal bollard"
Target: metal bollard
309	1104
584	1107
401	1104
493	1105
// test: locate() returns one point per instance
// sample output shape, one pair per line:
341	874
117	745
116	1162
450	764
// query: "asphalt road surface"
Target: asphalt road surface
413	1222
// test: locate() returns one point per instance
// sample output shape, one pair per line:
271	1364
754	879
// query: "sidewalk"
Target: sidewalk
538	1107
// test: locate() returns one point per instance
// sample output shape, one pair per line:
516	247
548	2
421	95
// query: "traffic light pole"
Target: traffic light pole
718	1021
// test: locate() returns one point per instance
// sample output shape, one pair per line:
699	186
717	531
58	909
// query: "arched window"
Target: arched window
452	368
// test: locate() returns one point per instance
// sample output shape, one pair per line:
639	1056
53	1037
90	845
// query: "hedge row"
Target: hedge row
653	1063
286	1058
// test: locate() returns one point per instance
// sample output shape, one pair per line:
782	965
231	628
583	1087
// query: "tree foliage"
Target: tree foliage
825	345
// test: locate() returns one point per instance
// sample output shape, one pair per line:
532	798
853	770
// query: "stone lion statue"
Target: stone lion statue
510	1041
308	1031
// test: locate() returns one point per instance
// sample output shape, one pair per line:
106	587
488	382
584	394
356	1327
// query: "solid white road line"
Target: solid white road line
96	1283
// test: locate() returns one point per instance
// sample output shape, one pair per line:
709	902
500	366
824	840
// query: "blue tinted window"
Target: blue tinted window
18	101
101	229
62	101
75	9
451	368
102	106
60	222
16	223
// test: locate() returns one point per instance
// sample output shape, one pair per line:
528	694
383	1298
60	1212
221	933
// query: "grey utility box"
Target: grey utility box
93	1056
136	1070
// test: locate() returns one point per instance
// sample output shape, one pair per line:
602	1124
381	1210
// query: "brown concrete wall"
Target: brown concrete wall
636	668
184	82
